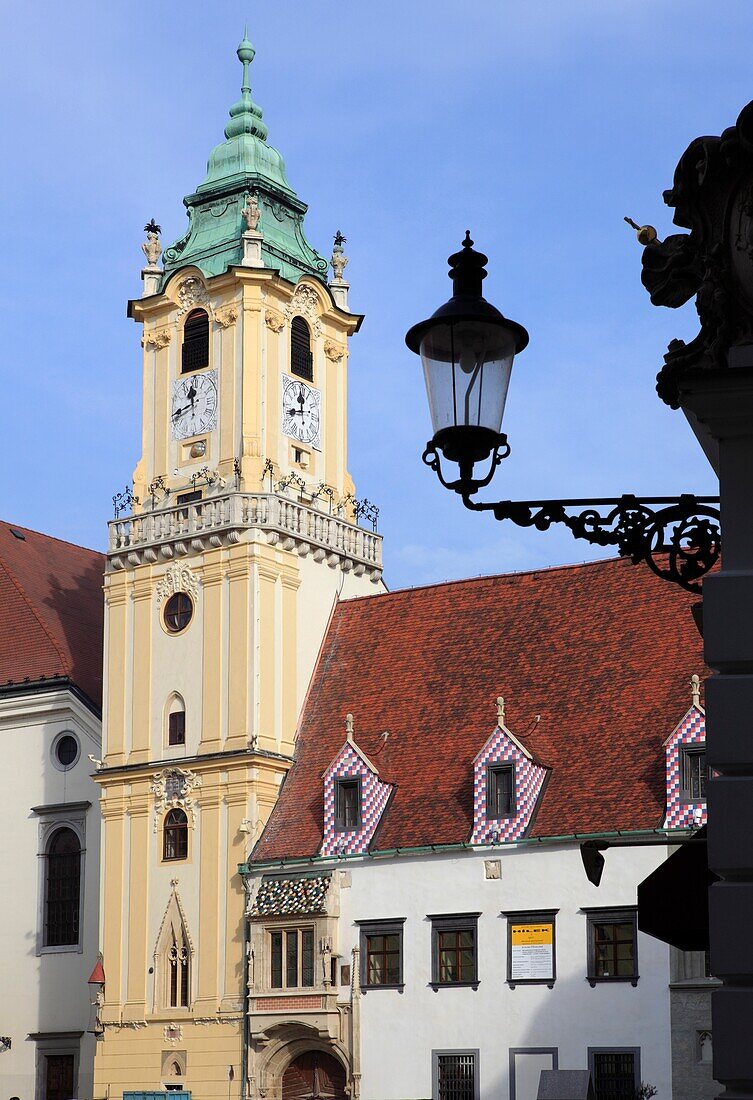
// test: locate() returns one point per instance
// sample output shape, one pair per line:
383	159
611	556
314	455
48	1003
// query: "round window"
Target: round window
65	751
178	612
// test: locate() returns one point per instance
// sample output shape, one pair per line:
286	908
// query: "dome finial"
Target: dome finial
245	116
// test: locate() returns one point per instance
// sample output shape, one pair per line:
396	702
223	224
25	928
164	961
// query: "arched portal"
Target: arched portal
314	1075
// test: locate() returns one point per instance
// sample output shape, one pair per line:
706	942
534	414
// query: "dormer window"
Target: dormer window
195	350
301	359
500	791
347	803
693	772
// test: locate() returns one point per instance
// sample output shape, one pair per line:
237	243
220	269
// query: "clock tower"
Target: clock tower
242	530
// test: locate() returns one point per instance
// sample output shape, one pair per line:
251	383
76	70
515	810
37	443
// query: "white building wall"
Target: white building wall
399	1030
44	991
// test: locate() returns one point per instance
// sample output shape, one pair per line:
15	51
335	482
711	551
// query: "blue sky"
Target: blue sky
536	123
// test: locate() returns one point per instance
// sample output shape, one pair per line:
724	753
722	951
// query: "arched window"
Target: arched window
175	839
176	721
195	351
301	359
62	900
178	962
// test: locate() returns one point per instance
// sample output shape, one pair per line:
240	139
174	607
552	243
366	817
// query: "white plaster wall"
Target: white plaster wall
43	992
400	1030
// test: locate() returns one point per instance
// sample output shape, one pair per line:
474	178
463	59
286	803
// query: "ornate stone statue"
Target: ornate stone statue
251	213
339	260
151	247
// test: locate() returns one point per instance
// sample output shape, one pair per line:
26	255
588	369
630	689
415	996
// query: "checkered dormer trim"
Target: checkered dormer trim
691	731
529	777
374	794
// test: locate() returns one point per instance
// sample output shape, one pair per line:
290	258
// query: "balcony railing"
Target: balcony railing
213	521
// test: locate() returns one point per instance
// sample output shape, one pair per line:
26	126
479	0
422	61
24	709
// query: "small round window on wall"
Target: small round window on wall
65	751
178	612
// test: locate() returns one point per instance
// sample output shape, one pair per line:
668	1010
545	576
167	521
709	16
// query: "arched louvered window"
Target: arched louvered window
62	901
301	359
195	351
178	963
175	838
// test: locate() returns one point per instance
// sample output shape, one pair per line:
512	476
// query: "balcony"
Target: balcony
188	529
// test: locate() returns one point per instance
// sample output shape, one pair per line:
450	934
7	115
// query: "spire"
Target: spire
245	116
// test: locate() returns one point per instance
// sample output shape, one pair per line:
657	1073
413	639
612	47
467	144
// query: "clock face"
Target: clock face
301	407
194	408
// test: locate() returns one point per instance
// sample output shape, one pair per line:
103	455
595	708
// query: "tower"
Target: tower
243	531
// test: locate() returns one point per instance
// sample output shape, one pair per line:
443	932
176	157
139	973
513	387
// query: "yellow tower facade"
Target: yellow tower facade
242	530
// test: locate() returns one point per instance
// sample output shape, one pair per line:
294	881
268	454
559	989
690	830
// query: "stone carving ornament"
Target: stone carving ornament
305	302
251	213
178	578
192	292
333	351
274	320
226	317
151	247
173	787
156	340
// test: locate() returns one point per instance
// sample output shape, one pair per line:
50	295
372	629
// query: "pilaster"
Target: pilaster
213	652
141	679
211	871
138	902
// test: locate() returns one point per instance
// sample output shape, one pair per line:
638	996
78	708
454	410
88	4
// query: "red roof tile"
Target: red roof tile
51	610
603	652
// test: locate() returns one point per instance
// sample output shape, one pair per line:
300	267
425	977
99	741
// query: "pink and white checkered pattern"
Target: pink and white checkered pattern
691	731
348	764
529	777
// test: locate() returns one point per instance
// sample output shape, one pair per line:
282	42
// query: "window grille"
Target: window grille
614	1075
301	359
500	790
195	350
456	1077
63	889
59	1084
175	845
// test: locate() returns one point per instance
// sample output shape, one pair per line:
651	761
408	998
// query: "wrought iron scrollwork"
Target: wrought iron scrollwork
679	538
124	502
368	510
466	483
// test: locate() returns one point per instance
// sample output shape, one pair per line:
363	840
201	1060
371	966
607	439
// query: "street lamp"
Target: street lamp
467	348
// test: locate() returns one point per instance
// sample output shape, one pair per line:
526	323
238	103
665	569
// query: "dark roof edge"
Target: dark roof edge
627	836
51	683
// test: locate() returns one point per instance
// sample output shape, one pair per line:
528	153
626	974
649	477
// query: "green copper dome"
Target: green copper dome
242	164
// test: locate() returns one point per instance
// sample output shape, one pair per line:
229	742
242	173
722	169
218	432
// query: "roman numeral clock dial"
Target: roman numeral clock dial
194	405
301	412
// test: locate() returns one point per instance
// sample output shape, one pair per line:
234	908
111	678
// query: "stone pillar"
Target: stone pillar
150	276
340	290
252	249
723	404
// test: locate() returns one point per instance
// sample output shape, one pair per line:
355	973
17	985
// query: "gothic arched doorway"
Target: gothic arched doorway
314	1076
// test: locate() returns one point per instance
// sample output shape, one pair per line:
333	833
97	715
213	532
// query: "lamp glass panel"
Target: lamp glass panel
467	368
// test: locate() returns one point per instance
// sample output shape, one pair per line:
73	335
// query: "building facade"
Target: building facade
240	534
421	923
50	728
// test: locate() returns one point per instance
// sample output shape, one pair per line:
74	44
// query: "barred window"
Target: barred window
292	958
62	890
614	1074
301	359
175	838
195	350
455	1075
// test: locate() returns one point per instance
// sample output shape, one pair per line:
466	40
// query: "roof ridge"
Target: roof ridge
22	593
43	534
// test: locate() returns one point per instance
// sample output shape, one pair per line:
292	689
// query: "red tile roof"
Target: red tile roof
602	652
51	611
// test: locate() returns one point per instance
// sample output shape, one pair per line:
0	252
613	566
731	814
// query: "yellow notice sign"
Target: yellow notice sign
532	951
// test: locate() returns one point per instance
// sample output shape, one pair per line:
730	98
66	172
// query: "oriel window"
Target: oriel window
301	359
292	958
195	350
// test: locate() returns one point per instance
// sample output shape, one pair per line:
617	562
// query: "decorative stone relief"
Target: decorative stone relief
173	1033
172	788
305	302
151	247
177	578
274	320
192	292
156	340
333	351
492	868
227	316
251	213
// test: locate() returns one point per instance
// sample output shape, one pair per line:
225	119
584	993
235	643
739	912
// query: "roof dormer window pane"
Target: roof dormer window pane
500	790
694	775
347	804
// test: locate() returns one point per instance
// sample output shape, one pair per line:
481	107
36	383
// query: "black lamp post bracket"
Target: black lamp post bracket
679	538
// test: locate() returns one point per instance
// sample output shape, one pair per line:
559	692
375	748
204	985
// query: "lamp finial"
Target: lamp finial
500	711
349	726
695	688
